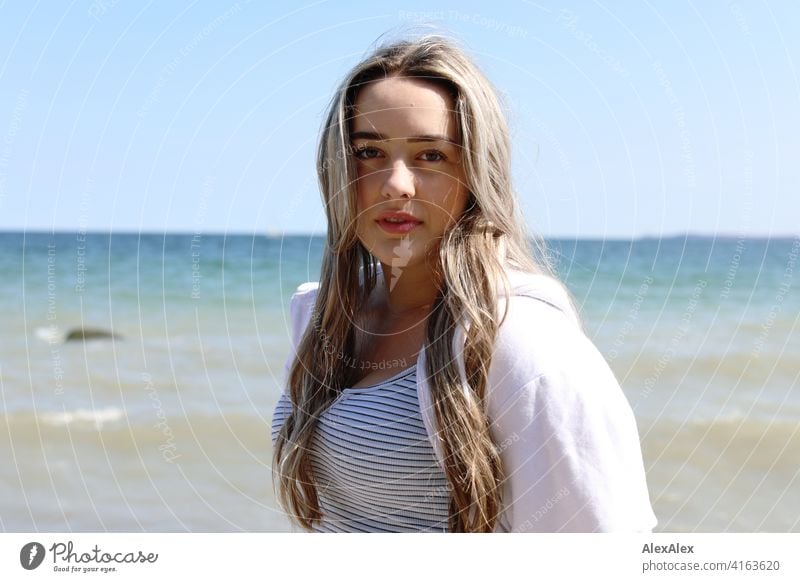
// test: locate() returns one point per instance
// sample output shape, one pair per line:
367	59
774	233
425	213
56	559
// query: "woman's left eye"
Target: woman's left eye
433	156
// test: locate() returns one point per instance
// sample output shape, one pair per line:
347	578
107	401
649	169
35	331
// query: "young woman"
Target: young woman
440	379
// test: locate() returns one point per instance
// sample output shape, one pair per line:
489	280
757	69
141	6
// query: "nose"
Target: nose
399	182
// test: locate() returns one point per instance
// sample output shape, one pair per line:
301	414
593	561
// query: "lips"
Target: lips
398	222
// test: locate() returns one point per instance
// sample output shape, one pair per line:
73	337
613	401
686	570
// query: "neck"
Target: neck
408	291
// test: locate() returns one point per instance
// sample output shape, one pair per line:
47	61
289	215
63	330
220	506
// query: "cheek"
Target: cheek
363	204
365	189
455	201
362	201
359	200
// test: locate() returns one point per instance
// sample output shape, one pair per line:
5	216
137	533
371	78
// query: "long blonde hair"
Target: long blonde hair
473	254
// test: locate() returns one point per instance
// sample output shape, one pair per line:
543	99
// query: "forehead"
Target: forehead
400	107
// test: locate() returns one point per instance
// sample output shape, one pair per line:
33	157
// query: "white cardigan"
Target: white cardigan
567	435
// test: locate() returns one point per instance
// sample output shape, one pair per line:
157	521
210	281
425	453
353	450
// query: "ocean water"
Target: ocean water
166	426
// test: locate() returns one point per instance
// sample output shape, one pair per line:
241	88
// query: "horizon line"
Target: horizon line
272	234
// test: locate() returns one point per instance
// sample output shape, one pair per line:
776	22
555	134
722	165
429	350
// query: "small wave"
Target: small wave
778	433
83	416
50	334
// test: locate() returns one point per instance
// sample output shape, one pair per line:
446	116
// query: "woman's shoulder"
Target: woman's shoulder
300	308
305	289
547	290
304	294
541	337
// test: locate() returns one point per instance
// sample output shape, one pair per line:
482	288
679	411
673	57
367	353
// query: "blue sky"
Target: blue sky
628	118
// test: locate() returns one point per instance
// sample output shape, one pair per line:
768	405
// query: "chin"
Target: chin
396	252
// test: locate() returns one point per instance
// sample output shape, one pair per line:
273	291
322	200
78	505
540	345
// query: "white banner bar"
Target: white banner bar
416	557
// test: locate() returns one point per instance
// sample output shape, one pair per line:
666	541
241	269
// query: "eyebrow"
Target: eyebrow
371	135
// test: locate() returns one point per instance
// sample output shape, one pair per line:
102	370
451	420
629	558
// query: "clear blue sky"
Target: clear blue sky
628	118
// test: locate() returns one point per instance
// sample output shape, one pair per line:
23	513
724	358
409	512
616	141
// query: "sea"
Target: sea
162	423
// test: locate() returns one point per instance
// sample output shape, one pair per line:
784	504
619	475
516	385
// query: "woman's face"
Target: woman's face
410	177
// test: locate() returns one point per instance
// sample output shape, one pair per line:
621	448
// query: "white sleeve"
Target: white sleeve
301	306
568	438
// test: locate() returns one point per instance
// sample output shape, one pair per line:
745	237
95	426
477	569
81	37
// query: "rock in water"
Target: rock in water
86	333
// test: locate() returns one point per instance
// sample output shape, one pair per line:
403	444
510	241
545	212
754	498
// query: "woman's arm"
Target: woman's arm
568	439
301	306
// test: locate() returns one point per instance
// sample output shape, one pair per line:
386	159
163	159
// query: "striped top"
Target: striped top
373	463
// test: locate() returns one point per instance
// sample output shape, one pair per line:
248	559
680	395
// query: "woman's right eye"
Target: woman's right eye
367	153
